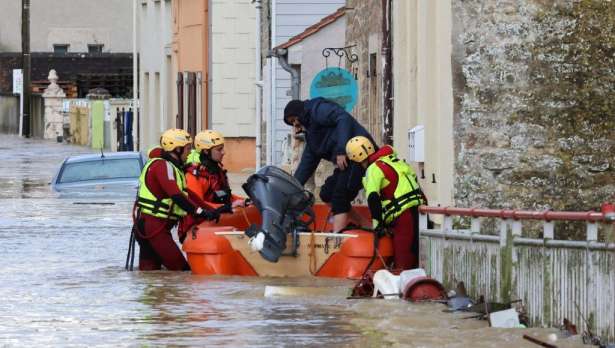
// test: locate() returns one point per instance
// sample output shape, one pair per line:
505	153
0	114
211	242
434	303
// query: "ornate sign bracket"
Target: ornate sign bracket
340	52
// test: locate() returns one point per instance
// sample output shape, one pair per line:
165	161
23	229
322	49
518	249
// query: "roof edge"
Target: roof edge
313	29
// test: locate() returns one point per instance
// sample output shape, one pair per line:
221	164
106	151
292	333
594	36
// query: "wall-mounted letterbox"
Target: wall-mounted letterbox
416	144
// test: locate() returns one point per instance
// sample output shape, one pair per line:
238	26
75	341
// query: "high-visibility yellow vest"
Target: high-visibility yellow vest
194	157
407	194
161	208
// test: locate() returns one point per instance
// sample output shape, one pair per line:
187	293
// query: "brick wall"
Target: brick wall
112	71
7	64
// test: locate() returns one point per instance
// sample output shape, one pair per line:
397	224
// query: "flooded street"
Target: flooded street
63	283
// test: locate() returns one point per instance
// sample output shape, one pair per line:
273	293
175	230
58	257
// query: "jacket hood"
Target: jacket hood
309	106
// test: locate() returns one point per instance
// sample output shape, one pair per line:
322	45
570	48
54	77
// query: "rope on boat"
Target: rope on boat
245	215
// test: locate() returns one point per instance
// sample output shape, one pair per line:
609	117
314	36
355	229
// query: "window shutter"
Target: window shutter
179	122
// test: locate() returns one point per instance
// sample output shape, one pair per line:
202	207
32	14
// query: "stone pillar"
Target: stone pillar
53	96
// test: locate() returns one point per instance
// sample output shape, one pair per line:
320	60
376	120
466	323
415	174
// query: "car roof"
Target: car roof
108	156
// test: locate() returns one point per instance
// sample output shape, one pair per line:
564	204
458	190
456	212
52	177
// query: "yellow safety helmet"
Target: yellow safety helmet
359	148
207	139
174	138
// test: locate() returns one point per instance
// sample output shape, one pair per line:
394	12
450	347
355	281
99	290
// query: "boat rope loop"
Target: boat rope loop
245	215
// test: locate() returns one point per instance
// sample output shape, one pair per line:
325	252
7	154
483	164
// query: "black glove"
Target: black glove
227	208
208	214
380	230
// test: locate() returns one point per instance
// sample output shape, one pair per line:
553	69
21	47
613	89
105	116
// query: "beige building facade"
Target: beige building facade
191	62
213	49
423	88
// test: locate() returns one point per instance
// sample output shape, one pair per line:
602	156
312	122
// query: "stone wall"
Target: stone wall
534	103
364	28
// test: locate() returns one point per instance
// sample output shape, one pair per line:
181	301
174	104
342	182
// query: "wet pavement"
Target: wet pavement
63	283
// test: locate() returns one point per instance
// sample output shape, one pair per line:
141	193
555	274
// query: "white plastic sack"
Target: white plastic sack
387	284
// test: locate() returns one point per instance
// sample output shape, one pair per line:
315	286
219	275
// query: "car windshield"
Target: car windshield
101	170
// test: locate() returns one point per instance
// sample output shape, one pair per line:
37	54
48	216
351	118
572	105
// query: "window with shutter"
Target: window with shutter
191	103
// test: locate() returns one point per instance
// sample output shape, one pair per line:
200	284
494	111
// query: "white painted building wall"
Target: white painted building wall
291	17
77	23
308	52
156	78
233	44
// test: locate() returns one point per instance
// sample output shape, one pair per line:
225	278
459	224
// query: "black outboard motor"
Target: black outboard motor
281	200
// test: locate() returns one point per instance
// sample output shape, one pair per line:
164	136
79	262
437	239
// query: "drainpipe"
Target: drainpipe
272	78
259	85
295	78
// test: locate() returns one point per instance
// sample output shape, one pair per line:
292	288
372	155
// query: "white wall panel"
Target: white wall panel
232	69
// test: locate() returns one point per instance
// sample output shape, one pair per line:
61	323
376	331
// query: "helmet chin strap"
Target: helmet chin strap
177	152
176	155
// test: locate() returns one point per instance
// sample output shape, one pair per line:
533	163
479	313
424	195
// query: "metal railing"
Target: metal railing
555	279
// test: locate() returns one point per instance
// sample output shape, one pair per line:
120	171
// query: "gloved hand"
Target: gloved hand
380	230
227	208
424	198
209	215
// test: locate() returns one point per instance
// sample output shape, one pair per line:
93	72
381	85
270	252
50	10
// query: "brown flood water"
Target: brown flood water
62	284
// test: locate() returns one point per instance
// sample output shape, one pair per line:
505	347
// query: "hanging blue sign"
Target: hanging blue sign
337	85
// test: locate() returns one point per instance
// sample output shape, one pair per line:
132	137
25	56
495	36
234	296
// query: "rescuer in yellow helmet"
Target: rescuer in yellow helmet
206	176
161	201
393	196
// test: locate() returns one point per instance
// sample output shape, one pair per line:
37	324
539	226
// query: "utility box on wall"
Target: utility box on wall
416	144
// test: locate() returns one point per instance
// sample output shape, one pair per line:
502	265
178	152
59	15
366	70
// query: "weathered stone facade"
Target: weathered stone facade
534	103
364	29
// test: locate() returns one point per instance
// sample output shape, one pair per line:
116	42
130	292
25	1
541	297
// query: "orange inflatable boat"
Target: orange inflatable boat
223	248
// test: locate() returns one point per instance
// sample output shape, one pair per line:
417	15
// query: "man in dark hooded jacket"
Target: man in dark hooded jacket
328	127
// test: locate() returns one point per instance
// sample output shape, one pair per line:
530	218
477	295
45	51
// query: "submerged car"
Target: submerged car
101	174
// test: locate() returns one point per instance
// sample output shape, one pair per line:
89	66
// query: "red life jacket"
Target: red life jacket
217	181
